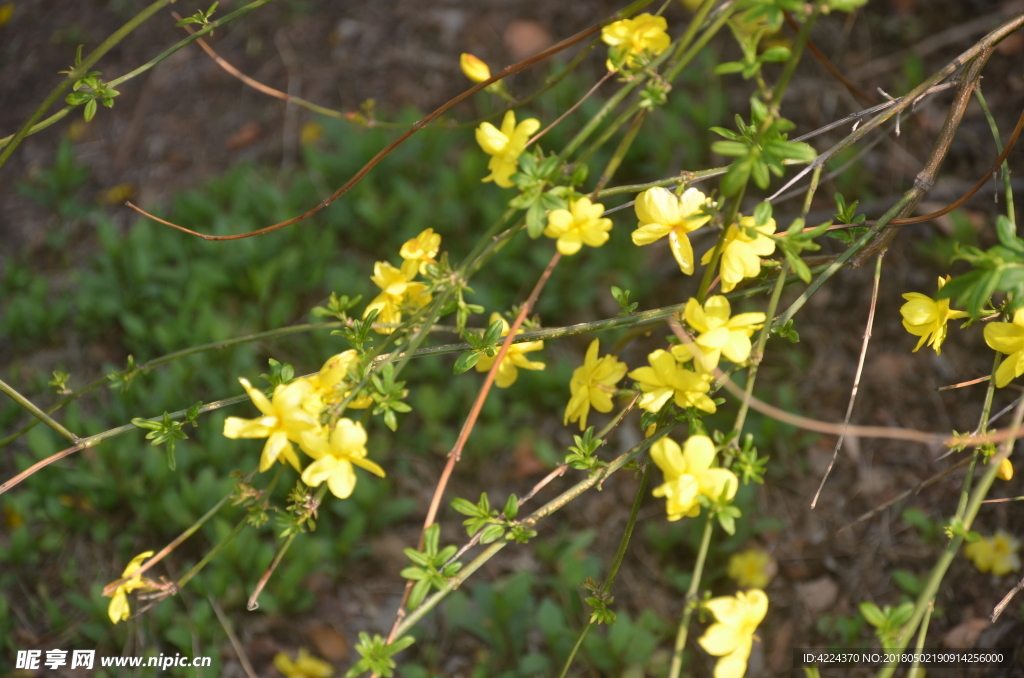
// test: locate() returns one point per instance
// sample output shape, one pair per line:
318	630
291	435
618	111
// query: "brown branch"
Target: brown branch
357	177
808	424
474	413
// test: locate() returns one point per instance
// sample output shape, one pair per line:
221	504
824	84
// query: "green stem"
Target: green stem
231	535
1007	187
36	412
934	580
915	668
794	58
548	509
976	454
79	72
758	353
616	563
691	600
908	198
38	127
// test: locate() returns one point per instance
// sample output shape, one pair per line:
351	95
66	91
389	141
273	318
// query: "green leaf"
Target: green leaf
430	539
414	573
732	149
492	533
778	53
872	614
415	556
729	67
535	222
465	507
727	133
511	507
762	213
735	178
419	593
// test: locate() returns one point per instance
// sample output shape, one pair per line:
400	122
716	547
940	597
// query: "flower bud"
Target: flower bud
475	70
1005	471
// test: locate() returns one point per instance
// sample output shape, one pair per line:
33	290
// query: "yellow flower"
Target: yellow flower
304	666
1008	338
335	456
1005	471
398	293
661	213
331	384
718	334
579	225
419	252
741	253
733	636
752	568
505	145
118	609
507	372
688	473
283	422
666	378
630	38
592	385
6	12
996	554
474	69
926	318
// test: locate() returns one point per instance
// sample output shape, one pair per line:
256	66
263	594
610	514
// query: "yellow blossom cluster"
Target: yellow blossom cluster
926	318
399	293
731	637
292	415
718	333
666	379
505	145
631	38
592	385
996	554
577	226
688	473
662	213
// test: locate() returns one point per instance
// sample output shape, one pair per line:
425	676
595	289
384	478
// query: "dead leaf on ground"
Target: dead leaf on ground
247	135
330	644
965	635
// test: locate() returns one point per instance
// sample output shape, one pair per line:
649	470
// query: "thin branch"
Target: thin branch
856	378
237	646
998	609
36	412
572	108
357	177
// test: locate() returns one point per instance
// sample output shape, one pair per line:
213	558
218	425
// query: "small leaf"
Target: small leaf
511	507
492	533
872	614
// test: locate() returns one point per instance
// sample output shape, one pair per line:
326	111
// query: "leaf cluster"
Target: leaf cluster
376	655
88	89
759	148
166	430
388	395
483	344
535	173
999	269
359	333
337	307
888	621
430	568
582	455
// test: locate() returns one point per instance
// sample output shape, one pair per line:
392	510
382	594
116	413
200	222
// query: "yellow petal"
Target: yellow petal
473	68
258	399
320	470
118	609
668	456
698	453
648	233
720	639
682	250
657	205
343	481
